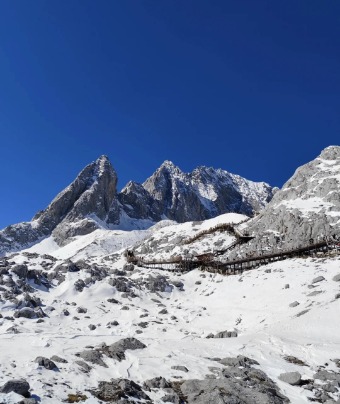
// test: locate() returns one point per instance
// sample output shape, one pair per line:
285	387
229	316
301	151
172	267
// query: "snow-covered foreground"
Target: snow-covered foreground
173	324
285	309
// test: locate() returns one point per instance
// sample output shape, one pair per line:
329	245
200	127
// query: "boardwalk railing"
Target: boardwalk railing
206	263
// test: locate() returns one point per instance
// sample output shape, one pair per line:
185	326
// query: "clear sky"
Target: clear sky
249	86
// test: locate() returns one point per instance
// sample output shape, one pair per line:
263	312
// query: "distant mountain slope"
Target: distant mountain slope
92	202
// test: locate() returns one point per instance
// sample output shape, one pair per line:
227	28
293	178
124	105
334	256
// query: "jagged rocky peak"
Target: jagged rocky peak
96	187
204	193
308	205
92	193
91	201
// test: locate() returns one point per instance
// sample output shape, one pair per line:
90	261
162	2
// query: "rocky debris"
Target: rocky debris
128	267
83	366
163	311
58	359
19	386
27	312
294	304
81	310
292	378
20	270
171	398
46	363
112	300
118	390
293	359
314	293
95	274
76	398
301	313
117	349
79	285
337	362
226	334
325	375
92	356
240	360
336	278
156	383
113	323
121	284
28	301
180	368
157	283
235	386
179	285
318	279
92	327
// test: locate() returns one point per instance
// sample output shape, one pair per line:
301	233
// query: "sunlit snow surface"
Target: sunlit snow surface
256	304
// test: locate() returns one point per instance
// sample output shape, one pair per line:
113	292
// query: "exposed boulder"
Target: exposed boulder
58	359
318	279
19	386
46	363
292	378
156	383
117	349
119	389
180	368
92	356
226	334
27	312
240	360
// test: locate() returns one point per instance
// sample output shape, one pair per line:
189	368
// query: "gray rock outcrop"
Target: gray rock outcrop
117	349
235	386
92	201
117	390
306	209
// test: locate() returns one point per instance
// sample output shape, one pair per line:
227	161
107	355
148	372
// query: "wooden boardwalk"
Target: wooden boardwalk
232	267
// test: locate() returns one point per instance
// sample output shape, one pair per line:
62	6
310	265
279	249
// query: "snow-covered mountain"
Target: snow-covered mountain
308	205
92	201
79	323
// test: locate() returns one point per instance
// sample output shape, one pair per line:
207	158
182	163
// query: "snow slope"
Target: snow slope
255	304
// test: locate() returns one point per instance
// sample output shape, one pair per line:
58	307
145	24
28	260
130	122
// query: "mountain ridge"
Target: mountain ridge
92	201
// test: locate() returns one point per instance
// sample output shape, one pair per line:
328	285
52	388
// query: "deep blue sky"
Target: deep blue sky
249	86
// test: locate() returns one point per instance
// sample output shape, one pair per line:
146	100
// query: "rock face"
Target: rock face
203	193
90	197
308	205
91	201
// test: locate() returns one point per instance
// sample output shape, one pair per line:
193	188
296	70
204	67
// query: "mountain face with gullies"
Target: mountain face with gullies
308	205
92	201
